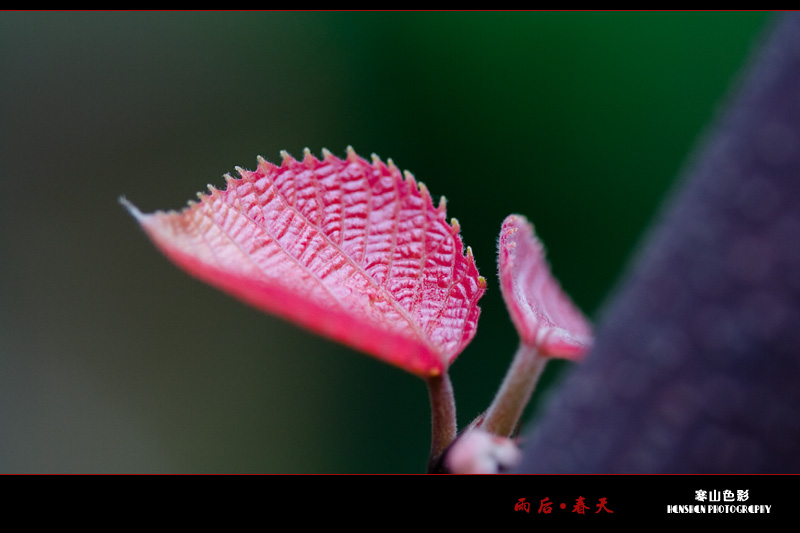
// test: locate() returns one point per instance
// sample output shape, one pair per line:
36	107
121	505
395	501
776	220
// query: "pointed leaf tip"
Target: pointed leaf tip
132	209
335	246
542	313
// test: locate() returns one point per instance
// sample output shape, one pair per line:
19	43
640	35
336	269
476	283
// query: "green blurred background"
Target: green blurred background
112	360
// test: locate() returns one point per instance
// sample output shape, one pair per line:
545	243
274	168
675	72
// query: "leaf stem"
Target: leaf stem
515	392
443	414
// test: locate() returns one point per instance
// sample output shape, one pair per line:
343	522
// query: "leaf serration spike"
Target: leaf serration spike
327	155
308	158
379	165
286	158
410	178
265	166
426	195
454	225
352	156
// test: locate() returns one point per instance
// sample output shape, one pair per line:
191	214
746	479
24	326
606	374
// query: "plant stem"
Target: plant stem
515	392
443	414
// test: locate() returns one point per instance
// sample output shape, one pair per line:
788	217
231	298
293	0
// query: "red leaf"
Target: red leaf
346	248
544	316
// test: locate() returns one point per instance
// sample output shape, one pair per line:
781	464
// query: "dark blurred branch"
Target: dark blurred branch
696	366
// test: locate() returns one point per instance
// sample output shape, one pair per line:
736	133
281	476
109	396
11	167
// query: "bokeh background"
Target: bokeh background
114	361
